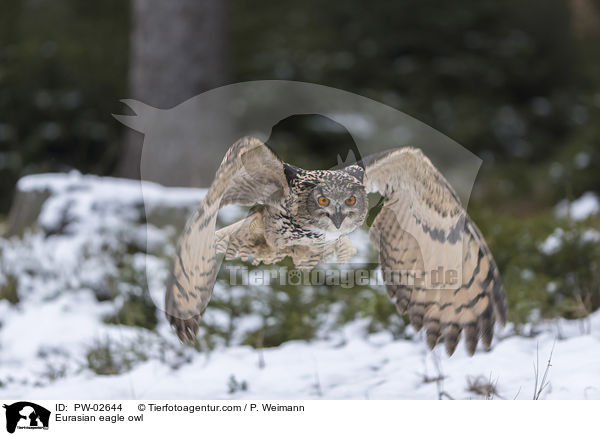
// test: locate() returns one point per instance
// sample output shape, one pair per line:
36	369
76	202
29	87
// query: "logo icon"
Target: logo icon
26	415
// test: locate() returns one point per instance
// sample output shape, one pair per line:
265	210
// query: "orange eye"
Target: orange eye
351	201
323	201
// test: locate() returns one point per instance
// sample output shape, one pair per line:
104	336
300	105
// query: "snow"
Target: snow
62	267
591	235
553	242
360	367
582	208
582	160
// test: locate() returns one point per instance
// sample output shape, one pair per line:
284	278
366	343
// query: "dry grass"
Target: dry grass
543	383
482	386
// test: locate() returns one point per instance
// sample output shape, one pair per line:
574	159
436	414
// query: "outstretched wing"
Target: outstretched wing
435	263
249	174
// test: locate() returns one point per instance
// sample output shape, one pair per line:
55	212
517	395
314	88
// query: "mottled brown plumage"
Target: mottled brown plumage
422	227
422	233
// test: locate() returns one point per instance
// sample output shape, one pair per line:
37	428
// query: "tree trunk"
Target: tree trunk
585	17
178	50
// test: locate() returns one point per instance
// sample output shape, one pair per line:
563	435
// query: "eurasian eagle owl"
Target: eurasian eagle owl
307	215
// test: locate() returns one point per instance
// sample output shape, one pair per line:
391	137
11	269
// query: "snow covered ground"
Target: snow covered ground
52	339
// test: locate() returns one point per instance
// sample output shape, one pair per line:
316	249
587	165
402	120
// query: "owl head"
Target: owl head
334	202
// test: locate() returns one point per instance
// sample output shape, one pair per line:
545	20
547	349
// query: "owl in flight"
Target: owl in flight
308	214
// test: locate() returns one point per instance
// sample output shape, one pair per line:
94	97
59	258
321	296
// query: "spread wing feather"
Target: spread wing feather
249	174
435	262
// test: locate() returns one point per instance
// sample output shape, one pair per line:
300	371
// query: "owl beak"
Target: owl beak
337	217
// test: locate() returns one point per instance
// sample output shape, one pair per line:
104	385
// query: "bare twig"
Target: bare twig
439	379
259	347
317	384
429	379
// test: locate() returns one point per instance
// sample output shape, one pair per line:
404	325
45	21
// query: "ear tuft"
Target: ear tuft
291	172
